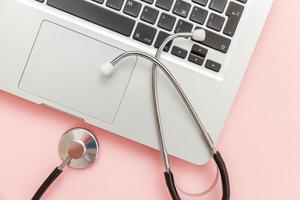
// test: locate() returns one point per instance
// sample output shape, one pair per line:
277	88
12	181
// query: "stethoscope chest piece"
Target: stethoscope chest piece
81	145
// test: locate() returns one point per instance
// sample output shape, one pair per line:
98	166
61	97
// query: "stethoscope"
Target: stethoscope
76	149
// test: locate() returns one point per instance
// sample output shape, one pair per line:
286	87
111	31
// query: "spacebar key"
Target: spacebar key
95	14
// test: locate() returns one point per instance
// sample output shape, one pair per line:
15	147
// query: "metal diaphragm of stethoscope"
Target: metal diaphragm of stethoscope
79	148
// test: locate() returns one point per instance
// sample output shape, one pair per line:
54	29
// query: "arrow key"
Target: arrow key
177	51
212	65
196	59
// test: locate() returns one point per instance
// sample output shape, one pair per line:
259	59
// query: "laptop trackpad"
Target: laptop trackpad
64	68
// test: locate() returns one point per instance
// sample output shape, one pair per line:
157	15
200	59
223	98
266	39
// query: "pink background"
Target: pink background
260	141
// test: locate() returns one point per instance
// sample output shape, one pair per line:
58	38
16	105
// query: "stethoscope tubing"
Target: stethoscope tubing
50	179
216	154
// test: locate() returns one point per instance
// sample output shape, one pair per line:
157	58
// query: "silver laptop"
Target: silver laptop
51	51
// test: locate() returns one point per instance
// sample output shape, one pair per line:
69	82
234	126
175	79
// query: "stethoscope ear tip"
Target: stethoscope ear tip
106	68
199	35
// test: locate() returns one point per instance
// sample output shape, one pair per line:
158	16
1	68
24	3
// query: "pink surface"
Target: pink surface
260	141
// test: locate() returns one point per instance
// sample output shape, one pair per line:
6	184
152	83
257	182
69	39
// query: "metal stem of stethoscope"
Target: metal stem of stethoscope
207	137
156	101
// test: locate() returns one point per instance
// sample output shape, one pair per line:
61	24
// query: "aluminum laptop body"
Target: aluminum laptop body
51	51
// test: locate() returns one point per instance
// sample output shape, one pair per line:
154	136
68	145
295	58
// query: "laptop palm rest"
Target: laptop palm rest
63	68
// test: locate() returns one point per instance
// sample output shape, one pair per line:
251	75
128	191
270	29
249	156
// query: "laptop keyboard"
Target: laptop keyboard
161	18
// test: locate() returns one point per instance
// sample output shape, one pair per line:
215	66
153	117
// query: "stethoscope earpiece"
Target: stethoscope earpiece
81	145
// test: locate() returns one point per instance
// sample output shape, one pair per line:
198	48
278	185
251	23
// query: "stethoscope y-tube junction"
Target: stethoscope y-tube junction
109	68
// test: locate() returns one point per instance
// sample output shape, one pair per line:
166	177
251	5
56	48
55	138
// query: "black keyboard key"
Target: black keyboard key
144	33
149	14
115	4
164	4
198	15
215	22
213	65
183	26
182	8
98	1
148	1
95	14
198	50
179	52
196	59
132	8
166	21
243	1
160	39
216	42
200	2
218	5
234	13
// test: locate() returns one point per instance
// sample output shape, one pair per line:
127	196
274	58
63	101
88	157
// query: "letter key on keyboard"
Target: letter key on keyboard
234	13
144	33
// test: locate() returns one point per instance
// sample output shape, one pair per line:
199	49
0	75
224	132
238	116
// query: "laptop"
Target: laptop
51	51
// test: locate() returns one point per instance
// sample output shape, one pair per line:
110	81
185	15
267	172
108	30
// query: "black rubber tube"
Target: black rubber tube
43	188
171	185
224	175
